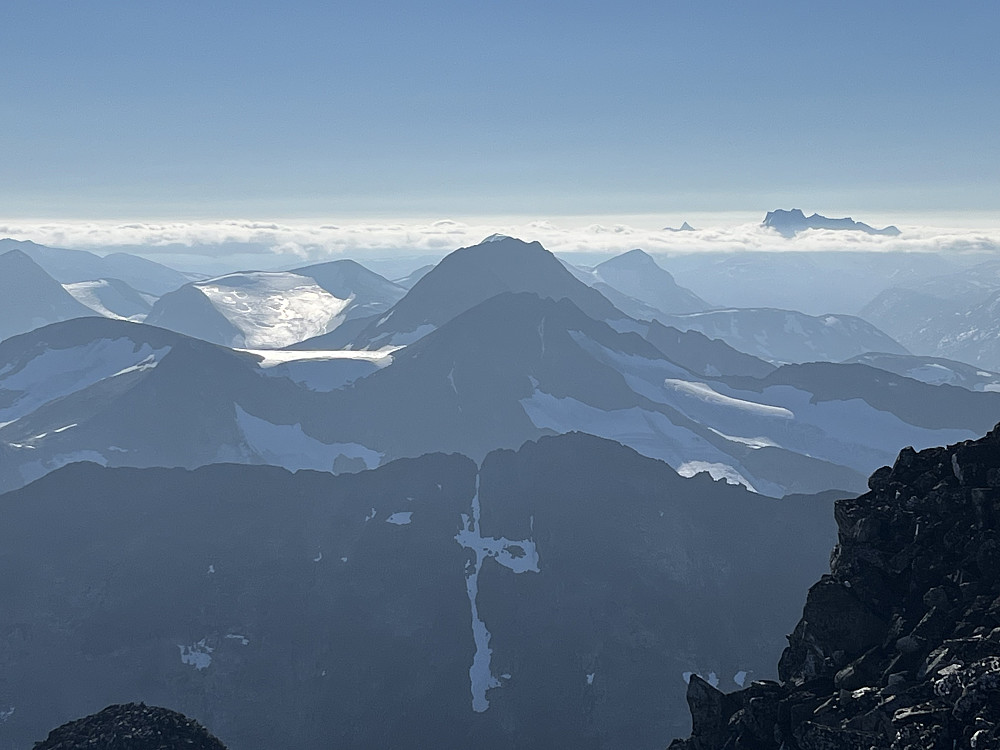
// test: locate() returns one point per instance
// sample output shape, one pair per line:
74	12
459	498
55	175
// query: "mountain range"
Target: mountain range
503	502
550	596
790	223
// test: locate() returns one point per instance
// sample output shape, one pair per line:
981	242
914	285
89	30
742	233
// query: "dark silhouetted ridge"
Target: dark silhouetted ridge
131	726
899	646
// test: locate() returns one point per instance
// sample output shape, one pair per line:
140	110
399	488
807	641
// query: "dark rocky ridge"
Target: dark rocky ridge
131	726
899	646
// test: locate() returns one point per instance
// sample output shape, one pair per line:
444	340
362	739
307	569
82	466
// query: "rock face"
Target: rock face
899	646
131	726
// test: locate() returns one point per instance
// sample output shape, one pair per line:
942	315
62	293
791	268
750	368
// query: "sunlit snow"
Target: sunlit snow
274	309
715	470
400	519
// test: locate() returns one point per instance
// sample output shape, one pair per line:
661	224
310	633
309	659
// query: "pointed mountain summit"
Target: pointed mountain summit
470	276
685	227
637	275
790	223
30	298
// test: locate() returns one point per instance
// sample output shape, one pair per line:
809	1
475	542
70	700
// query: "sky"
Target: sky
336	112
213	109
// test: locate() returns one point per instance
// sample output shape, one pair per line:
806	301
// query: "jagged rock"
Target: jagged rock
898	647
131	726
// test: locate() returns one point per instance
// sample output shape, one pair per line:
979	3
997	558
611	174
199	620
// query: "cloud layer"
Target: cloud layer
320	241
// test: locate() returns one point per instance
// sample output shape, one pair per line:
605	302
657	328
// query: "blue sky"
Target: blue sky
213	109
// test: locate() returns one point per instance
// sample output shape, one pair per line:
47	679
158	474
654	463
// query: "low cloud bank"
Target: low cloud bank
319	241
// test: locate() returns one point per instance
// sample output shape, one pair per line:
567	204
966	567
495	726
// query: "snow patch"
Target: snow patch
274	309
198	655
520	557
54	373
273	357
290	447
400	519
754	442
704	392
715	470
244	641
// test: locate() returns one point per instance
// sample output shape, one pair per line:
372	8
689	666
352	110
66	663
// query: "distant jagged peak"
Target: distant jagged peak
685	227
789	223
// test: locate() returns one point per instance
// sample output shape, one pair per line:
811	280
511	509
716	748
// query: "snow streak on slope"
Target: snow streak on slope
288	446
650	433
54	373
520	557
94	294
274	310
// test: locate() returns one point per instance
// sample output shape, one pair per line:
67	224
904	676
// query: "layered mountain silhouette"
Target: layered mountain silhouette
637	275
71	266
556	595
788	336
933	370
466	278
790	223
951	317
368	292
511	369
814	282
30	298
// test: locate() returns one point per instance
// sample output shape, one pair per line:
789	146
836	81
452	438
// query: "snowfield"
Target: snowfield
274	309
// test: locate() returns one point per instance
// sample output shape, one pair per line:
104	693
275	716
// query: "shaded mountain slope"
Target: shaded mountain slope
30	298
933	370
560	593
788	336
511	369
636	274
71	266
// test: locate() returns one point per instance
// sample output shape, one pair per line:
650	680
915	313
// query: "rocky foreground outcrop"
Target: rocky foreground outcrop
899	646
131	726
